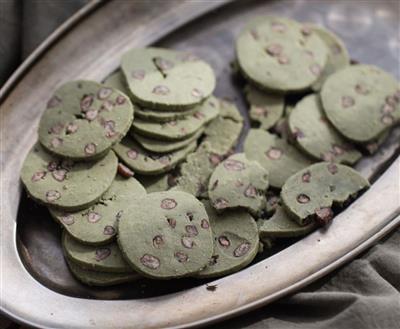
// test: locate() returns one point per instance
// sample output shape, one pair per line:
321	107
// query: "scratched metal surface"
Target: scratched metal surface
369	29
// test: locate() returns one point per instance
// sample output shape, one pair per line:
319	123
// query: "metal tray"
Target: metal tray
37	288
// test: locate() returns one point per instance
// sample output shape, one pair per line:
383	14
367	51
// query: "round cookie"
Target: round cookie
159	146
310	193
101	279
281	55
97	224
166	79
280	225
265	109
168	235
316	136
236	242
338	56
196	171
278	157
149	163
177	129
107	258
238	182
361	101
84	119
64	183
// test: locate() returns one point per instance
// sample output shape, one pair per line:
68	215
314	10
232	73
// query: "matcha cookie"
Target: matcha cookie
177	129
166	79
98	224
223	135
196	170
64	183
238	182
101	279
338	57
278	157
117	81
107	258
168	235
149	163
312	192
373	146
228	110
236	242
280	225
265	109
280	55
361	101
84	119
158	183
159	146
316	136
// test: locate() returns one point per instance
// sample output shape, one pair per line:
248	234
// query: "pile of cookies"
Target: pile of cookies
140	171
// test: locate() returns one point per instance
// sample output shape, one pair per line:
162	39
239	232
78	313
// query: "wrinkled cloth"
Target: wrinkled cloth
364	294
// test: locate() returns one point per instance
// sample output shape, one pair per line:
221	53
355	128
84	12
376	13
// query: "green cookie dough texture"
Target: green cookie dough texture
228	110
63	183
278	157
265	109
149	163
223	135
235	241
196	170
84	119
97	224
316	136
159	146
280	225
168	235
338	56
117	81
310	193
101	279
361	101
177	129
158	183
107	258
238	182
280	55
167	79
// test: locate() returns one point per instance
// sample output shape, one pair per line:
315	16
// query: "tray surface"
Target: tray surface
212	38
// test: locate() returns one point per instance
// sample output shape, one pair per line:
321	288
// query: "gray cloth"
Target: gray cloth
363	294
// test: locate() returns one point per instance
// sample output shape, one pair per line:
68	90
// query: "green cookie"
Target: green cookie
373	146
338	56
101	279
64	183
177	129
98	224
117	81
159	146
238	182
265	109
278	157
166	79
316	136
280	225
361	101
107	258
310	193
196	170
223	135
149	163
84	119
228	110
158	183
235	242
167	235
280	55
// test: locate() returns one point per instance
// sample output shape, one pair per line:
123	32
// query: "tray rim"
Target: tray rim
393	222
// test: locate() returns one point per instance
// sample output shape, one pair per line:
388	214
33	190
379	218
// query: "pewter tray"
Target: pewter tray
37	287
